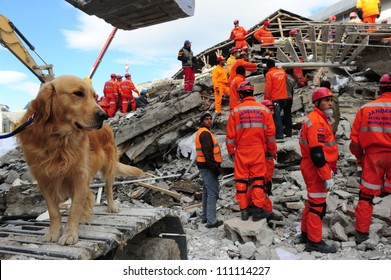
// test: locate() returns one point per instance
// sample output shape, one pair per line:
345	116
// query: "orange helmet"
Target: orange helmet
268	103
320	93
246	86
353	14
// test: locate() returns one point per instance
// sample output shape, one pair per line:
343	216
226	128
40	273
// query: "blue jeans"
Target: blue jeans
282	104
210	194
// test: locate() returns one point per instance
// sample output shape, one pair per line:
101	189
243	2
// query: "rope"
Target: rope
19	128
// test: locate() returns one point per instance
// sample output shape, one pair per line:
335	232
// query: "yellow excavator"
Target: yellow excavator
10	38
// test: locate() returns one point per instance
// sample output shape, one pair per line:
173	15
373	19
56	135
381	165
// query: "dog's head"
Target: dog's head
68	100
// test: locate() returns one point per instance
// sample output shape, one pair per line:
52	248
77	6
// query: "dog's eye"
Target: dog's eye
79	93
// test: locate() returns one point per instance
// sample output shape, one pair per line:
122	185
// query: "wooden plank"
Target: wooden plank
291	50
348	46
325	38
300	44
337	41
281	56
358	50
312	34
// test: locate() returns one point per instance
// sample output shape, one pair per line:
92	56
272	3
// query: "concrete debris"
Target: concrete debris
158	139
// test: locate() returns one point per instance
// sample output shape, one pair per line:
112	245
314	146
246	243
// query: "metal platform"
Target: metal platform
100	238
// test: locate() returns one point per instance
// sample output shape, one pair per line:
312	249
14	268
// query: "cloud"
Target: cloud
12	77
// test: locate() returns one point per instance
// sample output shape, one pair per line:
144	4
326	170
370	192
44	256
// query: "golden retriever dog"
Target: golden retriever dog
65	146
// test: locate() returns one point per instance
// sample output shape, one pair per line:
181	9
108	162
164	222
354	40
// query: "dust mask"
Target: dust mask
328	112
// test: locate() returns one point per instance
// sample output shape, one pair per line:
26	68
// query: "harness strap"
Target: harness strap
19	128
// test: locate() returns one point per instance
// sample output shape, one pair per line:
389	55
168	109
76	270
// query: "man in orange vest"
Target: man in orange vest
319	152
220	83
208	162
275	90
238	34
250	135
369	11
234	98
110	92
371	144
127	88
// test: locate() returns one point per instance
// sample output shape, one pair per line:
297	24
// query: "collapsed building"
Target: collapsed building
159	138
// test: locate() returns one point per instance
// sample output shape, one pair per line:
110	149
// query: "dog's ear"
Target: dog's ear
43	103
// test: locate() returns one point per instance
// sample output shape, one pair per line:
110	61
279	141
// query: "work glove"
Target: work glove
359	162
269	155
329	184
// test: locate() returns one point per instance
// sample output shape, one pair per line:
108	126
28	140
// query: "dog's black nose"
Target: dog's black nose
101	116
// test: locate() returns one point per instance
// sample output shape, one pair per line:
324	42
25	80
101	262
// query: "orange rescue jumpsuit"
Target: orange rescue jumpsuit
275	84
264	36
250	129
370	11
371	143
234	97
220	81
316	132
127	88
238	34
110	91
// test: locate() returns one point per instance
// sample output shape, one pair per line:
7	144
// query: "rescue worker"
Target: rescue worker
208	162
318	150
127	88
234	54
369	11
249	66
371	145
238	34
265	37
220	83
269	157
353	18
142	100
335	118
189	64
102	102
250	135
120	93
234	98
275	90
331	35
110	92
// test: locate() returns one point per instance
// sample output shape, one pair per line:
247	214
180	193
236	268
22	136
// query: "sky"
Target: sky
71	40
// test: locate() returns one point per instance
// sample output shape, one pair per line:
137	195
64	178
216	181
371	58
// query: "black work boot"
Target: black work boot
302	239
320	247
274	217
259	214
361	236
245	214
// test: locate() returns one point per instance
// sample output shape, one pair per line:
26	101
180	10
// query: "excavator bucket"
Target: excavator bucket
133	14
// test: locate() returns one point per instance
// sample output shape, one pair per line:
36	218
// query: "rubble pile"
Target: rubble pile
158	139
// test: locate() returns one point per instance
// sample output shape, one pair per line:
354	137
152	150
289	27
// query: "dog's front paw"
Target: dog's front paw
51	236
112	209
68	239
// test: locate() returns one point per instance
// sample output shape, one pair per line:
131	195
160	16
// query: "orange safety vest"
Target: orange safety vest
317	132
216	147
238	33
371	130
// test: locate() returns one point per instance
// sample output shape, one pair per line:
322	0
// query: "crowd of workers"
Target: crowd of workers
118	95
253	129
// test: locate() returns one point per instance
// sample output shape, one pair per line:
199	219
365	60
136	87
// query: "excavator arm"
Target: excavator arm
10	40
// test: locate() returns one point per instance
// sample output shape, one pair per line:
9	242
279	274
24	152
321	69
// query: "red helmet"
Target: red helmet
246	86
333	18
119	77
293	32
266	23
268	103
236	21
220	58
233	50
353	14
320	93
127	75
385	82
113	75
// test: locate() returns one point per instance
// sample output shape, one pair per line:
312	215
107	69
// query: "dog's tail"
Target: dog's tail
128	170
